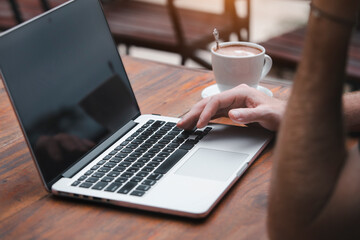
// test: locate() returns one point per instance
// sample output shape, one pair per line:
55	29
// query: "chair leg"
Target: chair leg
127	47
15	8
183	60
202	62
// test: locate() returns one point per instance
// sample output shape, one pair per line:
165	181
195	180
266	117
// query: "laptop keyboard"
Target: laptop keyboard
136	165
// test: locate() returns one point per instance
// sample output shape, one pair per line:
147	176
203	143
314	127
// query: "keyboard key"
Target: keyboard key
166	128
168	137
149	155
156	136
89	172
158	124
158	159
172	133
127	175
118	148
121	179
100	185
142	174
124	143
119	169
124	164
207	129
130	159
168	150
110	165
122	155
126	150
143	187
151	141
132	146
133	170
83	177
174	145
75	183
138	165
112	153
104	169
113	174
113	187
152	164
149	182
107	179
101	162
137	193
171	161
115	160
107	157
159	146
155	176
147	169
135	155
189	144
141	150
178	140
135	134
137	141
127	187
98	174
164	141
92	180
86	185
176	129
154	150
142	137
170	124
95	167
143	160
136	179
163	154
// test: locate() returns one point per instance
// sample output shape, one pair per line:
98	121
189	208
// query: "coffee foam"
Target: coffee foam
238	50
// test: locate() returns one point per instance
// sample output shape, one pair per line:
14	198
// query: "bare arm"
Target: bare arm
352	111
310	158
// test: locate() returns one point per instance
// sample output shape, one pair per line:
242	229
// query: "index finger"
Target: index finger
189	120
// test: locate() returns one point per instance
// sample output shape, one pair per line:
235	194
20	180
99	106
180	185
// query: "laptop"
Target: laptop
84	129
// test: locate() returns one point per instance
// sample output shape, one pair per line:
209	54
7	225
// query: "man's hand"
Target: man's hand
242	104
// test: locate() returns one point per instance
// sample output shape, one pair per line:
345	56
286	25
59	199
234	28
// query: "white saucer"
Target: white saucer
213	90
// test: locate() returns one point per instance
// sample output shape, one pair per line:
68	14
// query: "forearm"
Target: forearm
351	102
310	150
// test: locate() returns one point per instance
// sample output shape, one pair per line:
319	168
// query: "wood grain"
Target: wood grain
28	211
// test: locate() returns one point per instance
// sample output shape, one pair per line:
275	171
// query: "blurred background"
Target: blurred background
268	19
179	32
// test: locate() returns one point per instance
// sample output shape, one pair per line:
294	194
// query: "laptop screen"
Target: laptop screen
67	83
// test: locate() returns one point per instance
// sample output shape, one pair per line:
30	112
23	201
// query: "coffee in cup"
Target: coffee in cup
238	50
235	63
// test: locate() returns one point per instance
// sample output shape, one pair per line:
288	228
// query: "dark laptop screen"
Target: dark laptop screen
67	83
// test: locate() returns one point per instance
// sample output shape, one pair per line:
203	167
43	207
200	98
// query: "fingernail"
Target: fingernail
236	114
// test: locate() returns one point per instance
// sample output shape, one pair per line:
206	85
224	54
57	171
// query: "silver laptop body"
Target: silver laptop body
84	129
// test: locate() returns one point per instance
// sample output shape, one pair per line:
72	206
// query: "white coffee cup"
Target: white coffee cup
240	67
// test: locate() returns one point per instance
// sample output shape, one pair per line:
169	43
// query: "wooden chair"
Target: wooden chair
286	50
165	27
9	14
169	28
13	12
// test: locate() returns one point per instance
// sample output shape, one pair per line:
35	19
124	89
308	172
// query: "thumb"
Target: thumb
245	115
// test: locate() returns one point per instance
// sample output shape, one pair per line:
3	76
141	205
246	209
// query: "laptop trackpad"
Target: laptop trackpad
212	164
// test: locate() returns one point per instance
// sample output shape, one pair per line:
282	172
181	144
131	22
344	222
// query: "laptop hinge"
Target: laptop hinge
98	150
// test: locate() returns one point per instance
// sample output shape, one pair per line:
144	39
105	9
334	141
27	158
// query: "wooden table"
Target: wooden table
27	211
